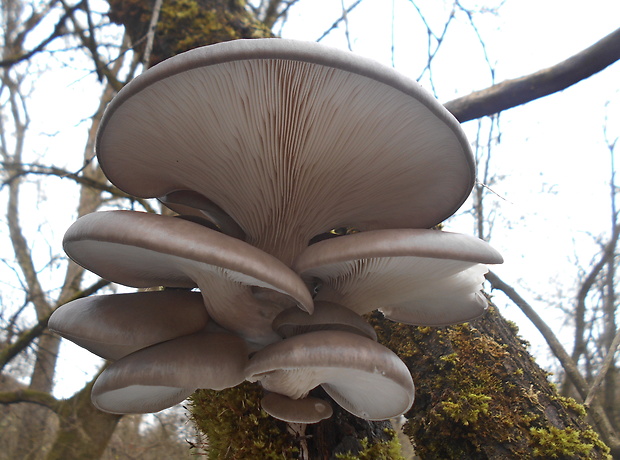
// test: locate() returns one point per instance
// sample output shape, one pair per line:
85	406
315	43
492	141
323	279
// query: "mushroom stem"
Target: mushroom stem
232	305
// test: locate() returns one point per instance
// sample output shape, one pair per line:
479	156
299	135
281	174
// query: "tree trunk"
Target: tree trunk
83	431
479	394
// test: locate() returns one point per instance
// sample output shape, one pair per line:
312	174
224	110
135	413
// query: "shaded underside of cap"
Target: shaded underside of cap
306	410
422	277
364	377
143	250
319	138
112	326
153	378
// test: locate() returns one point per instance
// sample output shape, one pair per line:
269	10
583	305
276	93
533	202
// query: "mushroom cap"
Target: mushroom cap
306	410
326	316
320	138
417	276
164	374
194	204
364	377
142	250
113	326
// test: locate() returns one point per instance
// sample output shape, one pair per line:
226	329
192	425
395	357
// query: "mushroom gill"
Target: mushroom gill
319	138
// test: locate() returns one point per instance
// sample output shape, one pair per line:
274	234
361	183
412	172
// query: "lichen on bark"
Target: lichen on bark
479	394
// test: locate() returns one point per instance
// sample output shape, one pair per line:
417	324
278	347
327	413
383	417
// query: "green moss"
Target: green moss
561	443
236	426
482	393
384	450
467	408
572	405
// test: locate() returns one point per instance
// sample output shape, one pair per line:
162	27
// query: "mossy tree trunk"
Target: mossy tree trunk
479	393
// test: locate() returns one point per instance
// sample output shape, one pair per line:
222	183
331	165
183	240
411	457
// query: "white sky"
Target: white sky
551	145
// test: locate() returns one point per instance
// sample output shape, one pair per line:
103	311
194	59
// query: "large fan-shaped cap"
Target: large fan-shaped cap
112	326
162	375
361	375
416	276
288	138
142	250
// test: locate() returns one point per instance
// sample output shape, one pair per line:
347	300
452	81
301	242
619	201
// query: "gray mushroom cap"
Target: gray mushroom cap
113	326
162	375
361	375
416	276
143	250
306	410
326	316
320	139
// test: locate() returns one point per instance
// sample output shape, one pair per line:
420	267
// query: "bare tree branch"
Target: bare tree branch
34	169
339	20
89	43
30	396
150	35
59	31
609	359
579	346
511	93
26	337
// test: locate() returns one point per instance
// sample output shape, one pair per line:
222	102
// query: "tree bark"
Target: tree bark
84	431
481	395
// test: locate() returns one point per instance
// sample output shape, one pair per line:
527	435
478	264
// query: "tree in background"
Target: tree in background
479	394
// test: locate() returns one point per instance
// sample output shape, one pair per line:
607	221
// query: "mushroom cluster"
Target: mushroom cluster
306	181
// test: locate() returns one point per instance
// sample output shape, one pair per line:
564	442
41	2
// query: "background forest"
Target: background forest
535	85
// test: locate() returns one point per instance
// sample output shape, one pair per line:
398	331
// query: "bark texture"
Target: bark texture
480	395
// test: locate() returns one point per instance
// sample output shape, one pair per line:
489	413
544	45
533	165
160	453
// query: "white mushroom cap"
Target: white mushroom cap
142	250
306	410
364	377
319	138
326	316
113	326
416	276
162	375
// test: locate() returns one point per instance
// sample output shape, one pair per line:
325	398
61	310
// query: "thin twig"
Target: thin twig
150	36
339	20
609	360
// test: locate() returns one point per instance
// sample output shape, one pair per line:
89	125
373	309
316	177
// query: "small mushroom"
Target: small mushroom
164	374
142	250
320	139
306	410
194	204
326	316
364	377
416	276
113	326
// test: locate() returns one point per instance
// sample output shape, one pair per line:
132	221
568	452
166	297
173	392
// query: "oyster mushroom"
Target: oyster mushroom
160	376
319	138
361	375
113	326
143	250
414	276
326	316
306	410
